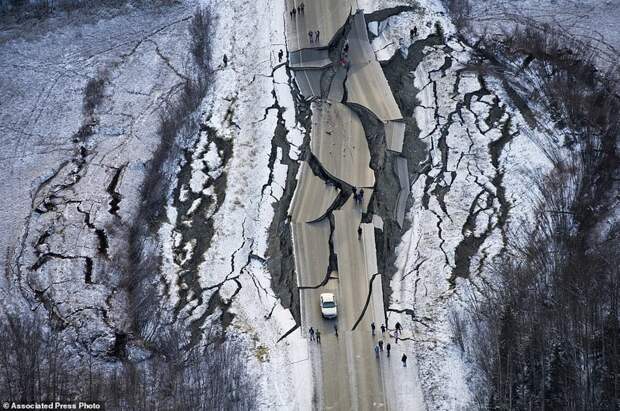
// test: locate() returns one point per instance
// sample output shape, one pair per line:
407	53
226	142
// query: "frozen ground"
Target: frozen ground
69	168
250	110
593	21
70	171
469	190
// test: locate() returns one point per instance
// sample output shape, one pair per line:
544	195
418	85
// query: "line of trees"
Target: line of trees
37	364
178	127
546	335
551	333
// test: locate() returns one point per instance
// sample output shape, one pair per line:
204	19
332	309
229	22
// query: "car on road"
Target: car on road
328	306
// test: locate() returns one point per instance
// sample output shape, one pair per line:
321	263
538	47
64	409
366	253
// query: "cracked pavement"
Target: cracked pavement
337	253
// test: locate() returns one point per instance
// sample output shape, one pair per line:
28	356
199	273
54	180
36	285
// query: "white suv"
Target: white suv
328	306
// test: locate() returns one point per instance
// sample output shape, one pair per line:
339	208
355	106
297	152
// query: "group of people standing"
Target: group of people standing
388	347
315	335
297	10
313	36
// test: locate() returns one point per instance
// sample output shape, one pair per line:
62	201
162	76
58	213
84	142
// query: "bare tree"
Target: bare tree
547	336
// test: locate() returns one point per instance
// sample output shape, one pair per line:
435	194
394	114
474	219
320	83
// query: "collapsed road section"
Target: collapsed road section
333	229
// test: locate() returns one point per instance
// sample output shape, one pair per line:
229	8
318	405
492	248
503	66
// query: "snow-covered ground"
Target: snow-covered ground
57	192
592	21
471	190
64	165
243	108
142	55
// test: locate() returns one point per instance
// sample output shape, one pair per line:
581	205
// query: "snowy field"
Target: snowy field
596	22
249	98
470	192
71	170
61	192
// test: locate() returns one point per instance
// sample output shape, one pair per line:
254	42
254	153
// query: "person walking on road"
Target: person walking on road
310	36
399	327
294	11
316	36
404	359
311	333
225	60
318	337
382	328
388	347
381	345
280	55
359	232
336	330
372	328
359	196
301	7
376	350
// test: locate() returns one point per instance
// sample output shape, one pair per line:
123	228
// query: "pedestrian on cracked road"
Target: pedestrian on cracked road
399	327
310	36
336	329
294	11
388	347
280	55
316	36
377	351
381	345
311	333
301	6
359	232
225	60
372	328
318	337
404	359
382	328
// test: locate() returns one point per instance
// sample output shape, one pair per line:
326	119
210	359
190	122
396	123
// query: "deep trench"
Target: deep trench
280	259
397	72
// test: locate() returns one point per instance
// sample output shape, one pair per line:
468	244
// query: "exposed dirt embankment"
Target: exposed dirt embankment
398	73
281	261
